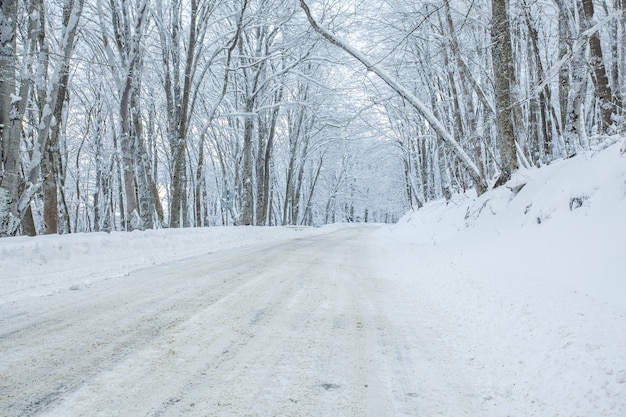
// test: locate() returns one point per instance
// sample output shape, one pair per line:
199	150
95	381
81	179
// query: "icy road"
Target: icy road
349	323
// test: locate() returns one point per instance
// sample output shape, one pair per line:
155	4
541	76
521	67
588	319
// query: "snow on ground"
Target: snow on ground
50	264
533	285
513	303
567	224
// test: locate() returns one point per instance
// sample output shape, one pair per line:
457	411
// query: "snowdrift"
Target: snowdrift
567	219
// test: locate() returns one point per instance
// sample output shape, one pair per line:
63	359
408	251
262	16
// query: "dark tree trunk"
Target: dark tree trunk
603	88
247	213
503	70
10	143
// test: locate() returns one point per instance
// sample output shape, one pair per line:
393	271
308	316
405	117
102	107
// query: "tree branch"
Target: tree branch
403	92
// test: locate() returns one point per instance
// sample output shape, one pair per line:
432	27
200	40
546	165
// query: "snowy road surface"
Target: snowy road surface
294	329
339	324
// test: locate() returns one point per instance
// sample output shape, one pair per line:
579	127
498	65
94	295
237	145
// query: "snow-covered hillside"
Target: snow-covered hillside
513	303
567	223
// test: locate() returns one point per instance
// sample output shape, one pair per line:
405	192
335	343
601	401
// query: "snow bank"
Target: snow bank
567	223
48	264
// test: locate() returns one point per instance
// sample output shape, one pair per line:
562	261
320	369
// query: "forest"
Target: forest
142	114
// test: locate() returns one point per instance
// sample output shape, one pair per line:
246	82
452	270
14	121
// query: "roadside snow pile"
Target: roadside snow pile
48	264
590	186
567	220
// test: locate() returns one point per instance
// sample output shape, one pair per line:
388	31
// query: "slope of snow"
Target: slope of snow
568	224
532	285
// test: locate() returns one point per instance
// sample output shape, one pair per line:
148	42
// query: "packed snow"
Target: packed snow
511	303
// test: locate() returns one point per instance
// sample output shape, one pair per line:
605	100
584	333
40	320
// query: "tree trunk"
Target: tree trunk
127	143
502	58
143	178
129	48
181	104
295	207
247	210
50	192
307	208
295	132
264	166
565	47
414	157
541	106
9	121
199	191
444	172
572	130
603	88
614	26
51	118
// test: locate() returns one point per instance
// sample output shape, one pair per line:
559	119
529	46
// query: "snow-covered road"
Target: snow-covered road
359	321
301	328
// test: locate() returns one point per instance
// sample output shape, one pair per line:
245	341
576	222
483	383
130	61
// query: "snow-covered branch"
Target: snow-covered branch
403	92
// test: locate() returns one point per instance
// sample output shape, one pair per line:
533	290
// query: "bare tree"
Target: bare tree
51	116
126	36
183	89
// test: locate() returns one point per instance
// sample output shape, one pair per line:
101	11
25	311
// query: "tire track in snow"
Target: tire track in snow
71	338
257	304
